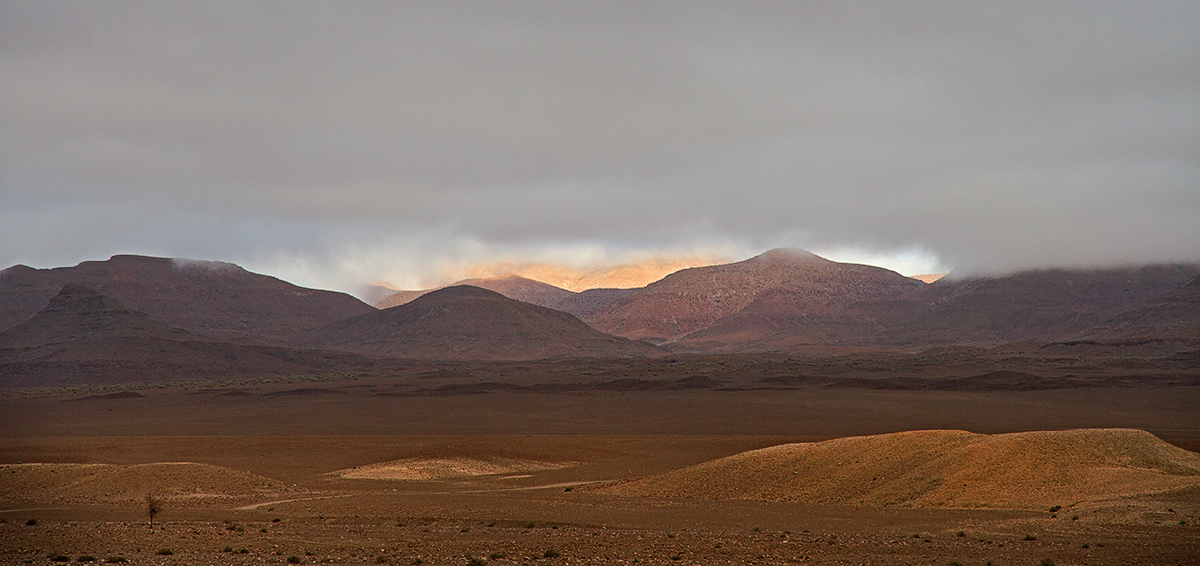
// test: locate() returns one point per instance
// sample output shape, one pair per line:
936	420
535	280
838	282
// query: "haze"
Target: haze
337	143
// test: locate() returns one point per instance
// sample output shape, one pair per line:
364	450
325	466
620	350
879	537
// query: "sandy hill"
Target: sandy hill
213	298
467	322
940	468
177	484
744	301
1034	305
509	285
82	336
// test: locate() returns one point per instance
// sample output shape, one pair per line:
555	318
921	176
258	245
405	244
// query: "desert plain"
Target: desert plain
618	461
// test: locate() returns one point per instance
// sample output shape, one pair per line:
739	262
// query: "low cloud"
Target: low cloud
337	144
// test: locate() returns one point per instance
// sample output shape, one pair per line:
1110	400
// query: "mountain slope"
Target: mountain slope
780	288
85	337
465	322
1034	305
1174	315
213	298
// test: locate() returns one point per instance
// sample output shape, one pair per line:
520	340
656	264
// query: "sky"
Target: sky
334	143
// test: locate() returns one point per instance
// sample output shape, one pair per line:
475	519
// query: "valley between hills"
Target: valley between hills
785	409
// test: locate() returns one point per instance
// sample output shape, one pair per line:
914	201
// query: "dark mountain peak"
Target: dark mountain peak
787	255
467	322
76	289
458	292
79	313
81	299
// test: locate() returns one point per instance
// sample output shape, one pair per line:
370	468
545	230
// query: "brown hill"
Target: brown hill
511	286
85	337
467	322
1034	305
1175	315
736	303
1030	470
212	298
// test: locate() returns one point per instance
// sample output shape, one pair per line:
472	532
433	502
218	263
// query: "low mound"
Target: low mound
445	468
177	483
940	468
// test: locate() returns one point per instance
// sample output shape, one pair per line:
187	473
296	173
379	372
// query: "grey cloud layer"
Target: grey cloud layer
998	136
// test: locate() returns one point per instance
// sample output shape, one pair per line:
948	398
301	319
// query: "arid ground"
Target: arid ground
506	464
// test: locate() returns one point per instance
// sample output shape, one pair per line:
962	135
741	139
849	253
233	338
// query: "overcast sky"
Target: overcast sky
333	143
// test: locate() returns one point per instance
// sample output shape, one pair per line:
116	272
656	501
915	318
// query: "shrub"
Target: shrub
1055	508
228	549
551	554
1029	537
1046	562
31	522
153	506
116	560
495	555
381	559
56	557
293	559
165	552
85	558
475	561
276	520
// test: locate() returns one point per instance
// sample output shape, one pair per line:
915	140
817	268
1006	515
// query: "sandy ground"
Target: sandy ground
524	461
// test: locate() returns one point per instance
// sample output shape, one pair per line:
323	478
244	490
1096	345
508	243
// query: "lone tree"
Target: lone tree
153	506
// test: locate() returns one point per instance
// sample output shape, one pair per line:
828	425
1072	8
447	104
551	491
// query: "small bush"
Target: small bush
961	534
1046	562
165	552
496	555
31	522
476	561
116	560
262	530
551	554
276	520
1029	537
381	559
1055	508
56	557
85	558
293	559
244	551
153	506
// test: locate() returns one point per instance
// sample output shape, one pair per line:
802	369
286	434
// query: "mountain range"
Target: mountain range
160	317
